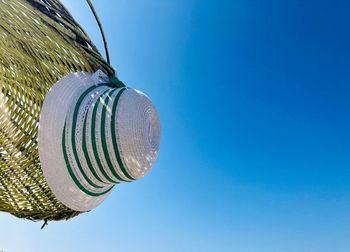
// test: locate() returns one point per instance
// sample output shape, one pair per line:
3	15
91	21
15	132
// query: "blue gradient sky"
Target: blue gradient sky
253	97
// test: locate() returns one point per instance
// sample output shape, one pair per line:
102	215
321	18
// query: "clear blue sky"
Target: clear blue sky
253	97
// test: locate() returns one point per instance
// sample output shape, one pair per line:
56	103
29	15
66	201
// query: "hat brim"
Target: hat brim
57	105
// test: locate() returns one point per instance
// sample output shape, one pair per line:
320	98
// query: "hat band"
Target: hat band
86	141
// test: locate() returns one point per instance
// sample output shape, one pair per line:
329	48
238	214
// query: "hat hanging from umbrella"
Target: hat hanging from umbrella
69	129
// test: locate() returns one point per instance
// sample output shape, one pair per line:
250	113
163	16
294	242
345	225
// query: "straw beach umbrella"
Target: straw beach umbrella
70	130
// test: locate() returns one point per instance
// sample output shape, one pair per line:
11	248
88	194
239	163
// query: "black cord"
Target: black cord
45	223
101	30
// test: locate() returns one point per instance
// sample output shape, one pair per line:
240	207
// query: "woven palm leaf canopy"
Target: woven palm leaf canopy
70	131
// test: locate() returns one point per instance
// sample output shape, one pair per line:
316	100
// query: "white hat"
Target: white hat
94	135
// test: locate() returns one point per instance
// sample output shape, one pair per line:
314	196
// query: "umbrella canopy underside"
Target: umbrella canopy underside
39	43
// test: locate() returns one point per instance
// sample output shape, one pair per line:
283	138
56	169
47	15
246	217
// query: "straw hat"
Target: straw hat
94	135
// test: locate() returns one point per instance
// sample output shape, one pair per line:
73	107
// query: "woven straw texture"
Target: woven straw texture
39	44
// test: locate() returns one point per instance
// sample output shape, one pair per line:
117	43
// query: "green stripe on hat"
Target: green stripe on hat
73	140
70	170
93	140
103	133
86	153
114	136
